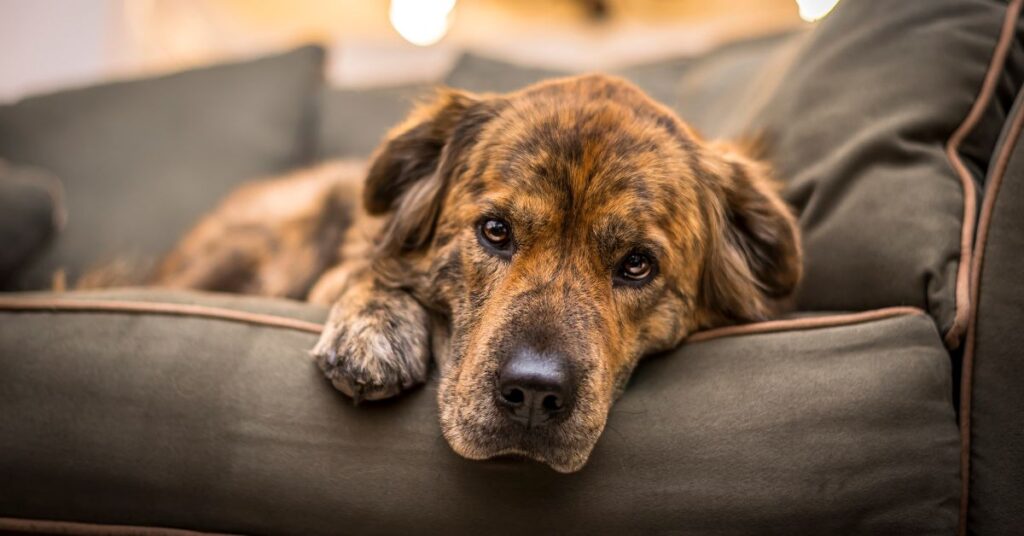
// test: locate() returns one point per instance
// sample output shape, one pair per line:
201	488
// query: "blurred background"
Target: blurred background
52	44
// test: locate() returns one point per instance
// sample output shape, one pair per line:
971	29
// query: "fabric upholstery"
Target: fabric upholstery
482	74
354	121
856	114
142	160
215	425
31	213
994	367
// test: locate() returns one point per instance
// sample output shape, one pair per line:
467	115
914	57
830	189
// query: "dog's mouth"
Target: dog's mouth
529	405
480	431
511	459
561	459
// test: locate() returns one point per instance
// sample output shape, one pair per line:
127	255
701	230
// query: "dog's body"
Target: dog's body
536	244
278	237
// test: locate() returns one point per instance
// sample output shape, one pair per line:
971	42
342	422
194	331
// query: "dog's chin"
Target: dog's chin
561	459
477	429
564	450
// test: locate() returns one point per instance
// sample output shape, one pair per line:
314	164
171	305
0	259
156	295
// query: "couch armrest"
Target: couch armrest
993	368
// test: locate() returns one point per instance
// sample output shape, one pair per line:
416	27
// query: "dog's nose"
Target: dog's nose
535	387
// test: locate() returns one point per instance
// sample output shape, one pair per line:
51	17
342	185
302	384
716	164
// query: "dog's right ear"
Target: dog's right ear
409	172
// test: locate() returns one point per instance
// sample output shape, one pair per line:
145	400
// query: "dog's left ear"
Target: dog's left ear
755	255
410	170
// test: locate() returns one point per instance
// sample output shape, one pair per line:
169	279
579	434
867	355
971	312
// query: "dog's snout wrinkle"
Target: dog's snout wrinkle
535	387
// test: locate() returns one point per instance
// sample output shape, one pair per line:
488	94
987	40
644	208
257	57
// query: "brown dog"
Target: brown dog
537	244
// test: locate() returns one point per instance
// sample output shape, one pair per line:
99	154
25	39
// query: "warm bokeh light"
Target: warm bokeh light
421	22
812	10
78	42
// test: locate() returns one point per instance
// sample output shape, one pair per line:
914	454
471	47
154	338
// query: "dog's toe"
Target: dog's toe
369	365
361	386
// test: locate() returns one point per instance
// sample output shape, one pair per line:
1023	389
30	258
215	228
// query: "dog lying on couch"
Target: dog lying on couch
537	244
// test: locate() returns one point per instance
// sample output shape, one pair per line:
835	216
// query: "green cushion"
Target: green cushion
31	213
224	425
482	74
141	160
856	114
354	121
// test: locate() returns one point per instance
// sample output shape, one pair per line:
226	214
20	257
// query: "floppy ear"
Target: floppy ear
755	255
409	173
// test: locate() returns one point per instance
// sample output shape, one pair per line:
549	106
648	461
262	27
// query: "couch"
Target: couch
887	403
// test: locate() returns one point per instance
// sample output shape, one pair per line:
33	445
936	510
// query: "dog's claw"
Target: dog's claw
377	354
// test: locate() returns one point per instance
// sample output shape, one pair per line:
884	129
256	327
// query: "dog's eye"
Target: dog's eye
496	233
635	268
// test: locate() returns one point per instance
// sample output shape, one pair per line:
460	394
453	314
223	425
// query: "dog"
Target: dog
535	244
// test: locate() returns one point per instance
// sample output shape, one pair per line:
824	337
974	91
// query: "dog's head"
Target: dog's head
562	232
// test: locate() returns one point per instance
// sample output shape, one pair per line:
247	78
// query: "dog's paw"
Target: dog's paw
375	348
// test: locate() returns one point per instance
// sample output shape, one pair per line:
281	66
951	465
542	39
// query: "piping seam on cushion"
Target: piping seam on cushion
780	326
175	309
1002	160
220	313
46	526
988	86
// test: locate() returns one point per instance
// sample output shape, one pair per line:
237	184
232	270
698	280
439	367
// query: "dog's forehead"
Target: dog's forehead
585	147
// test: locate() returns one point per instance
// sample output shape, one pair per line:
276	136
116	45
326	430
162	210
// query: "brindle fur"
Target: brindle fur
585	169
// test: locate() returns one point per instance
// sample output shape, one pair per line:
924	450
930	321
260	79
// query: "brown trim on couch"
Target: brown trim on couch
221	313
995	181
988	86
176	309
776	326
40	526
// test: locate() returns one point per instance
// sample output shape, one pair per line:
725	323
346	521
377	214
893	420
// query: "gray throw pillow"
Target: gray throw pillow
859	114
353	121
141	160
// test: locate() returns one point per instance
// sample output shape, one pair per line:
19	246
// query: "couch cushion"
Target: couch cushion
482	74
197	419
353	121
881	120
663	79
141	160
31	213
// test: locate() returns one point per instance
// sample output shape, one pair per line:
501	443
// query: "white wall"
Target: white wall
47	44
